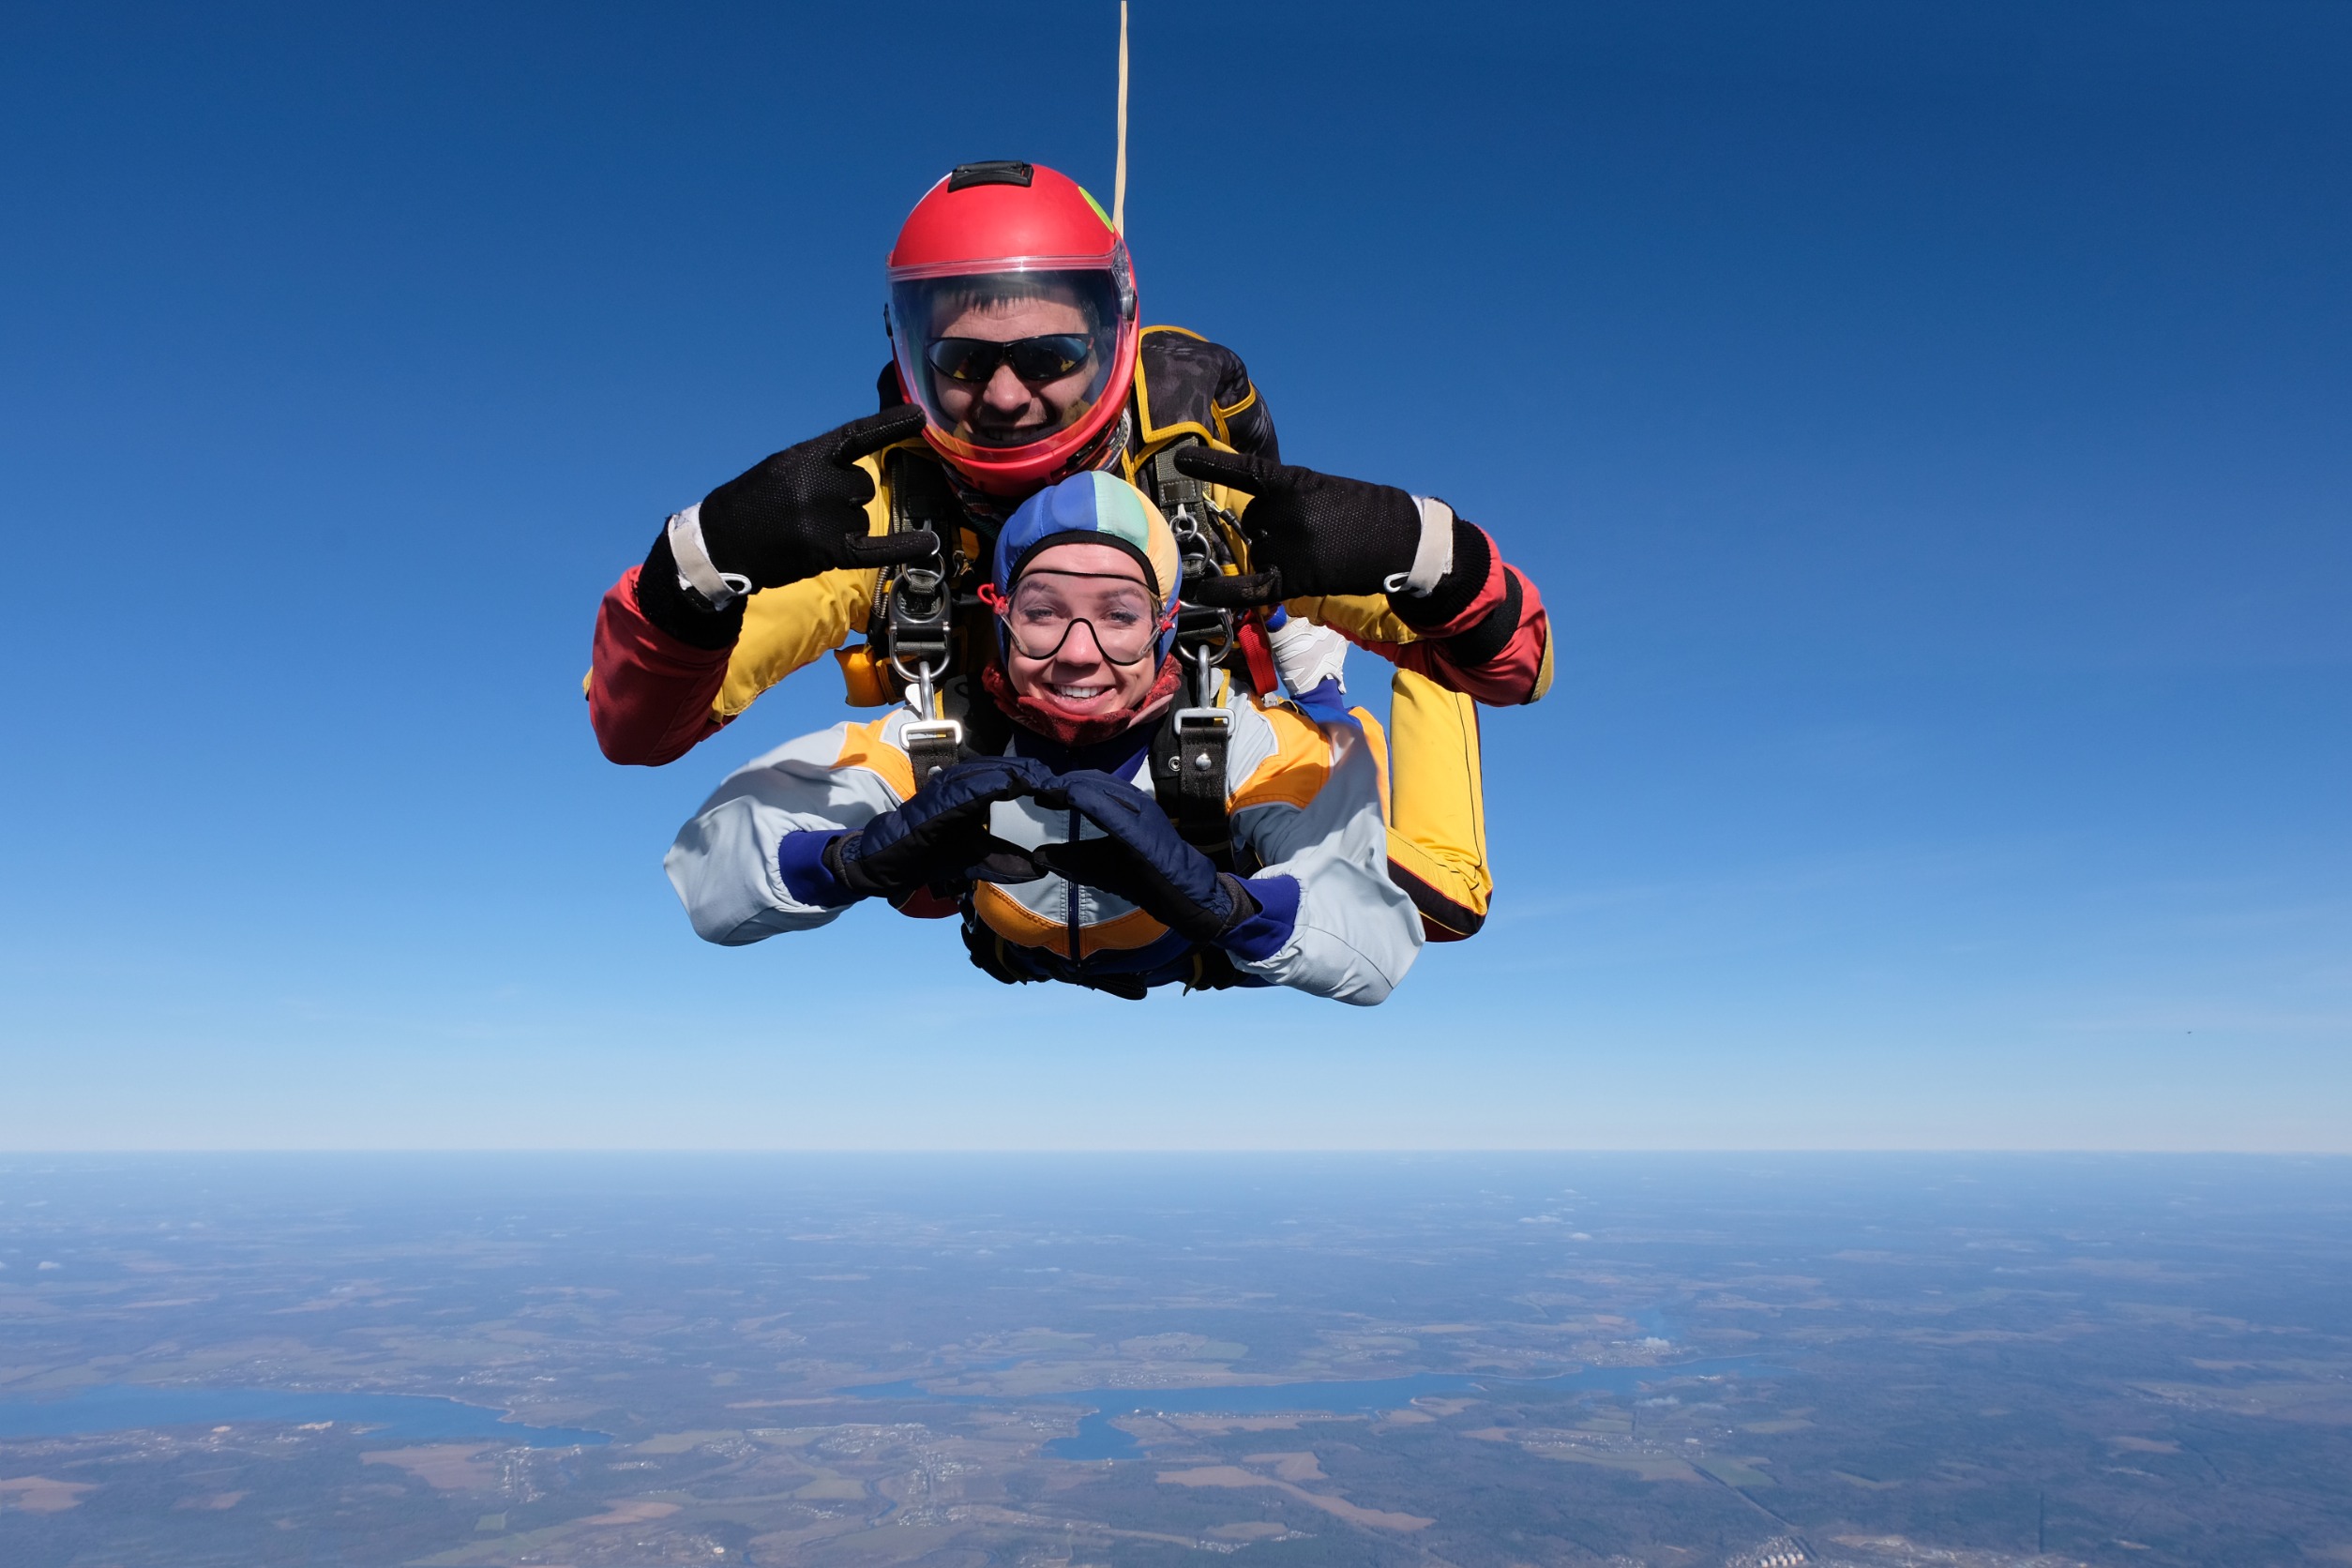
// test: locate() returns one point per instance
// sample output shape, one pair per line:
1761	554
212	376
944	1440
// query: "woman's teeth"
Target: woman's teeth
1077	693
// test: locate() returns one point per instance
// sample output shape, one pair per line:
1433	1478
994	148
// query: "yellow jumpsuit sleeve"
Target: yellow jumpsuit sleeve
1363	615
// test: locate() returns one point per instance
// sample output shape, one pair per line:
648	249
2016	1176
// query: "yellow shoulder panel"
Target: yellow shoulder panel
863	746
1295	775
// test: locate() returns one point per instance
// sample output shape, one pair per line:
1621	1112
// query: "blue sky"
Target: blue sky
1927	424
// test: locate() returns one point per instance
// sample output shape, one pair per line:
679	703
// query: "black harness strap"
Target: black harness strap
1172	491
914	615
931	750
1188	779
920	495
1188	753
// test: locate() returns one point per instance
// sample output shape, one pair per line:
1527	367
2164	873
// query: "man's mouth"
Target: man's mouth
1077	693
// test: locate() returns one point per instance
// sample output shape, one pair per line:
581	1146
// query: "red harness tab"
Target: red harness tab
1258	654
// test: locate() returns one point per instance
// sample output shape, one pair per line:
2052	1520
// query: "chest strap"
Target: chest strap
1188	760
914	608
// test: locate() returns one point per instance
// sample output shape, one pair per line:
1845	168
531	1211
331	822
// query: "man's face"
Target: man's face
1006	411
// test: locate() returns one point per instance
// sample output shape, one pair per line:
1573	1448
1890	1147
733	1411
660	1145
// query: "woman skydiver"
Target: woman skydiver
1055	843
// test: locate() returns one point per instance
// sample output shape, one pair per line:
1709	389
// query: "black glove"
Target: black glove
1309	533
1143	859
802	511
942	834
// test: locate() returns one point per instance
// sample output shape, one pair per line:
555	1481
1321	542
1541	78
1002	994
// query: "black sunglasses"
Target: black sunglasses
1033	359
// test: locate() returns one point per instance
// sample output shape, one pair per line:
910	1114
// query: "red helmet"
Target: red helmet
1013	319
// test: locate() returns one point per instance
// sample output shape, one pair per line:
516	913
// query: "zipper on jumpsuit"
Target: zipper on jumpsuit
1074	894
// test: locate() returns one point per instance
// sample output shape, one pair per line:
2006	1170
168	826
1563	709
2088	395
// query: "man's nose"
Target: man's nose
1007	390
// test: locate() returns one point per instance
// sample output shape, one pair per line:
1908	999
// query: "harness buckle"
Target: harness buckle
931	743
915	620
916	625
1201	736
1204	637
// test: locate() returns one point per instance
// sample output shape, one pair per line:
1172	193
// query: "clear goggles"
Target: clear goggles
1045	607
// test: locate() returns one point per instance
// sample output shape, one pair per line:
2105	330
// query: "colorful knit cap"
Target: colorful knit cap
1092	508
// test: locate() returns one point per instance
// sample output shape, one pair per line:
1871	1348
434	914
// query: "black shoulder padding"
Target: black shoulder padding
1189	380
996	172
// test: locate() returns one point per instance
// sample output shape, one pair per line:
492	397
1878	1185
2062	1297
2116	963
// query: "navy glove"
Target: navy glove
1309	533
941	834
1143	859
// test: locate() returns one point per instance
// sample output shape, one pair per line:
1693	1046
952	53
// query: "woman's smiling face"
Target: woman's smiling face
1069	591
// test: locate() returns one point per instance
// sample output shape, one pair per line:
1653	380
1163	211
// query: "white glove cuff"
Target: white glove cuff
1435	556
716	589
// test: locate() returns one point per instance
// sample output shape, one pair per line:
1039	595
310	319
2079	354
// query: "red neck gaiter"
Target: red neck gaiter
1039	718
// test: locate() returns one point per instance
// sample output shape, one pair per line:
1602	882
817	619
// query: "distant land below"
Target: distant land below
1569	1360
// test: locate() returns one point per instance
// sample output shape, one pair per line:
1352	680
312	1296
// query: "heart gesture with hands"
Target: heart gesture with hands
941	835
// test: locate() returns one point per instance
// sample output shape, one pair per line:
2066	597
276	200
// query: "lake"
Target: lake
391	1418
1097	1438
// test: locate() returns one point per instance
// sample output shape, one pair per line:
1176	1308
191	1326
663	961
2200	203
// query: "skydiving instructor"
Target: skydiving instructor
1018	359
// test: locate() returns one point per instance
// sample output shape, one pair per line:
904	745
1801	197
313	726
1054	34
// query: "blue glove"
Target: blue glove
940	835
1142	858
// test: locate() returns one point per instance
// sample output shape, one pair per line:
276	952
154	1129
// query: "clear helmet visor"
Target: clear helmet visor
1002	360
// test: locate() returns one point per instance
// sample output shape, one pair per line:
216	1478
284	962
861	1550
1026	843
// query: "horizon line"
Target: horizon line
1978	1150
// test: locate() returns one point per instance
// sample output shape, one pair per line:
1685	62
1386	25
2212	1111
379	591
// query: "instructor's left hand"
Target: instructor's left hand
1309	533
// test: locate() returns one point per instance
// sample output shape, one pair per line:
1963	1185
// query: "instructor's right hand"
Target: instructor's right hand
802	511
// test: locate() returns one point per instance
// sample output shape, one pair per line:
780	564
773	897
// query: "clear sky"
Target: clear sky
1930	425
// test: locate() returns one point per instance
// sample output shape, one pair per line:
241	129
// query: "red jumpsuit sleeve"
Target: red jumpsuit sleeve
1462	653
649	695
